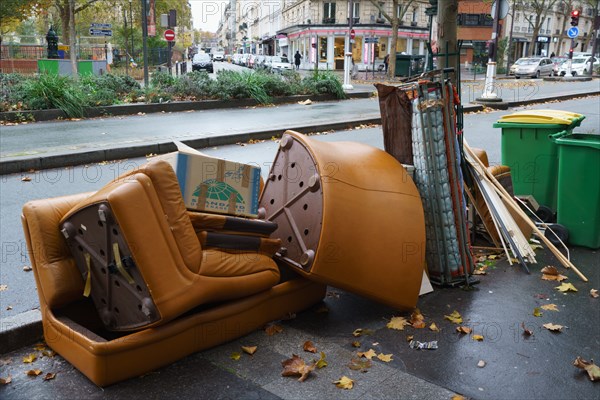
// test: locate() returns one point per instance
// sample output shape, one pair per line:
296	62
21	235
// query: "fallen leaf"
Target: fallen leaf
409	337
235	356
537	312
25	179
458	397
3	288
359	364
385	357
479	271
434	327
367	354
296	366
463	329
6	381
592	369
552	327
481	364
49	353
322	363
397	323
566	287
558	278
549	270
493	256
550	307
310	347
39	347
455	318
360	332
49	375
249	349
417	320
594	293
273	329
526	332
479	338
33	372
27	268
344	383
356	344
305	102
8	308
30	358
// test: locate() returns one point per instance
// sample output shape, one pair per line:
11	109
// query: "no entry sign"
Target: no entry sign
169	35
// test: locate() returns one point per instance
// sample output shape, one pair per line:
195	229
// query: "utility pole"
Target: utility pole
348	48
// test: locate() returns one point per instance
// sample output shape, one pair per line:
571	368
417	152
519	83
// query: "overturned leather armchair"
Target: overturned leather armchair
130	257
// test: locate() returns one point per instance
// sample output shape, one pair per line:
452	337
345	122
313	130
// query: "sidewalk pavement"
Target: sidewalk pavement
537	367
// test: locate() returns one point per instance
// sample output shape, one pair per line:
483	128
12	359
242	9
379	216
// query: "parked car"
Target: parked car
218	56
244	59
251	60
202	61
267	63
533	67
259	62
556	62
579	66
280	64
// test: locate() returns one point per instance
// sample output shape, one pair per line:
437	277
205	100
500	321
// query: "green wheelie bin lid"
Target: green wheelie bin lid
547	118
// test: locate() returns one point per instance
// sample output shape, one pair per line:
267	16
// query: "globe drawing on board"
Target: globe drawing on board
217	190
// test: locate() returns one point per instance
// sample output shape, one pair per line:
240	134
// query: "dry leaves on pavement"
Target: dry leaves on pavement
367	354
344	383
526	332
434	327
273	329
296	366
359	364
6	381
29	358
550	307
537	312
463	329
566	287
552	327
479	338
249	349
592	369
550	273
455	317
360	332
322	363
397	323
594	293
310	347
385	357
417	320
33	372
49	376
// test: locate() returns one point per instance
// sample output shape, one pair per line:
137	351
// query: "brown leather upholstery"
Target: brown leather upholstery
72	328
153	222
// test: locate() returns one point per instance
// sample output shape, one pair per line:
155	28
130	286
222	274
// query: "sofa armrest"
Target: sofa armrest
224	223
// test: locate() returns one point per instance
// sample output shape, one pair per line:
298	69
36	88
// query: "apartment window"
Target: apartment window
356	10
381	5
517	17
414	14
329	13
470	19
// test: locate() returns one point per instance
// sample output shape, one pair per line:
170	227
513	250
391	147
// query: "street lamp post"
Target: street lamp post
348	49
131	26
489	93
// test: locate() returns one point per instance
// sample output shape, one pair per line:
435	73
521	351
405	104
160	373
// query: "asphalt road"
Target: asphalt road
21	292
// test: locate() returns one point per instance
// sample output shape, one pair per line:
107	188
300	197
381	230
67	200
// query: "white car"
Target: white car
218	56
579	66
280	64
533	67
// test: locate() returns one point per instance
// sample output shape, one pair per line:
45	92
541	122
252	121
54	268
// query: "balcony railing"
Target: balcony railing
355	20
329	20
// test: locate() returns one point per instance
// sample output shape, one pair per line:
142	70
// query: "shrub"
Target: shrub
54	91
197	85
236	85
162	80
324	82
10	91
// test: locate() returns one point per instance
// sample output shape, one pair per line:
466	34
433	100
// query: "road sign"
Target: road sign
100	32
352	34
96	25
573	32
169	35
371	40
503	9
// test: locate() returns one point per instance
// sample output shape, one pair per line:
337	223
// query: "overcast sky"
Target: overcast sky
207	13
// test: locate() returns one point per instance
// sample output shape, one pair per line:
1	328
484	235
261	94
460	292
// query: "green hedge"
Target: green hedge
19	93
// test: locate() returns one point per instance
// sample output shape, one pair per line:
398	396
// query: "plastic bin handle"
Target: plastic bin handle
557	135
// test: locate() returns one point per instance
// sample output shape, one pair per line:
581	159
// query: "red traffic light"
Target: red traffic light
574	17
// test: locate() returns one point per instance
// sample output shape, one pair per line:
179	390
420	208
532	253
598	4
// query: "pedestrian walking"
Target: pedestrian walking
297	58
386	61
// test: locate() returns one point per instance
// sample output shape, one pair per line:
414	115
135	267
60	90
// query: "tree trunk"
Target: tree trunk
446	40
65	18
392	48
536	31
562	35
72	41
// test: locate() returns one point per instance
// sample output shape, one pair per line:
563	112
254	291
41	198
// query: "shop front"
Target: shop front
327	46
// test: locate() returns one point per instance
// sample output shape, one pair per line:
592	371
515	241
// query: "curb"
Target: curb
18	330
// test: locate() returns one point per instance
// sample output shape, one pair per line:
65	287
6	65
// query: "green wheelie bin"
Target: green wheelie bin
530	152
579	187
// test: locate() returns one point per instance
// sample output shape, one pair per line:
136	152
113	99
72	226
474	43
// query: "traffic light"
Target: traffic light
574	17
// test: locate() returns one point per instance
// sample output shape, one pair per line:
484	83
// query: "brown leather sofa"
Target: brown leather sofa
188	284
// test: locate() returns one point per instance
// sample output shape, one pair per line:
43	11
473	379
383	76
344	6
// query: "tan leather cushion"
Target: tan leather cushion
60	281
